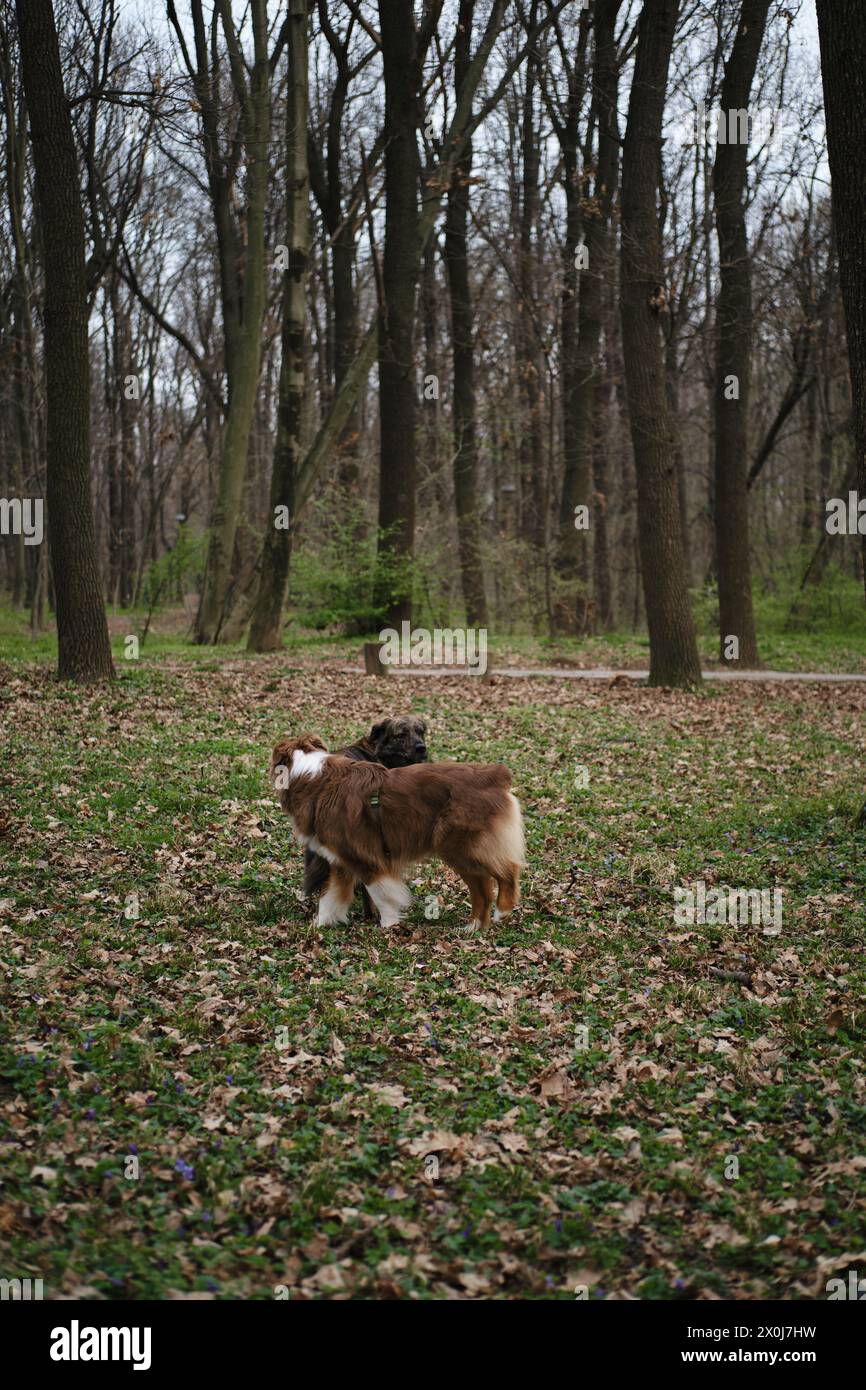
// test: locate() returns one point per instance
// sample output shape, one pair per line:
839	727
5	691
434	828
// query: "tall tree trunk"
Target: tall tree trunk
242	303
431	408
842	33
341	228
673	648
112	386
266	628
84	651
400	268
533	491
463	356
129	408
734	351
580	328
22	462
672	386
606	83
120	409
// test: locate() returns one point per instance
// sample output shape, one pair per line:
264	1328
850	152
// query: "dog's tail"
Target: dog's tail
317	871
510	855
504	849
508	832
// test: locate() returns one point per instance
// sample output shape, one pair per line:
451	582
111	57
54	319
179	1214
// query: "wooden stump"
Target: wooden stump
373	663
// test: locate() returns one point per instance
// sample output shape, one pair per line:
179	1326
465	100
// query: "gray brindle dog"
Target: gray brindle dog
393	743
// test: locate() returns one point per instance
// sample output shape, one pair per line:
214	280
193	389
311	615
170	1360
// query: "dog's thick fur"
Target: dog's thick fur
371	823
396	742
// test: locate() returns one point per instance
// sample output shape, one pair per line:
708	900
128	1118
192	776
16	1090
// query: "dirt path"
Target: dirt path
603	674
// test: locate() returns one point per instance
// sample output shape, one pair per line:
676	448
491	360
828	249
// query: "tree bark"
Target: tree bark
533	491
579	316
673	648
84	651
463	357
242	281
266	628
400	269
22	462
341	227
607	180
842	34
580	342
734	351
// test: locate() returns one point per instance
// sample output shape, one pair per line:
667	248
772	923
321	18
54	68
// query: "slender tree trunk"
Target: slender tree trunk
22	470
129	407
266	628
672	386
113	384
580	329
400	269
734	352
842	32
345	343
532	476
673	648
341	228
21	460
243	305
603	589
431	408
463	356
84	651
581	342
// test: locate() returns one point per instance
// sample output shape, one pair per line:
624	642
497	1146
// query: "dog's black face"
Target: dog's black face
399	742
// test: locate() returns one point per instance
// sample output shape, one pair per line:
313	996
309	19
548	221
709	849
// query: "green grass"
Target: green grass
284	1088
826	633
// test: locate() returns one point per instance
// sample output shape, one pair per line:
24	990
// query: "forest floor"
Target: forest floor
216	1098
830	642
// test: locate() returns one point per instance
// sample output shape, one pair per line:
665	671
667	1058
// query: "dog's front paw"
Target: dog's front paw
470	927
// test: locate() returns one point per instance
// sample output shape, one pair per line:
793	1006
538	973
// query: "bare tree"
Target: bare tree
734	348
842	32
673	648
463	354
84	651
241	251
266	628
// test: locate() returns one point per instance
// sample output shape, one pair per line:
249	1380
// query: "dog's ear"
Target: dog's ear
378	731
282	754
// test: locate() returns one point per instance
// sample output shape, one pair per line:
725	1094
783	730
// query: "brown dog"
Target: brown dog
371	823
393	743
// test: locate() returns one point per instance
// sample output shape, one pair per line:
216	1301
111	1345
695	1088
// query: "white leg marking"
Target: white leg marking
333	906
391	898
